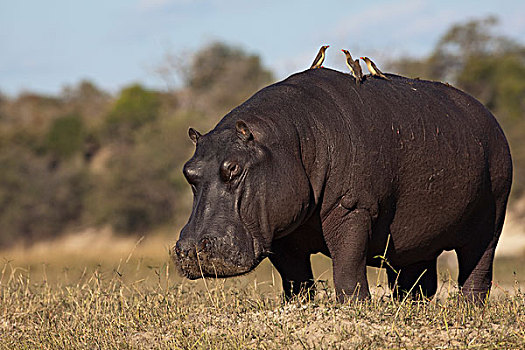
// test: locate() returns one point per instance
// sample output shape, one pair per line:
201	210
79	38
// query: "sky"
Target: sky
46	45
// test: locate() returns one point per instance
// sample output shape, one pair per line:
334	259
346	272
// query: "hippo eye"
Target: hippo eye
229	170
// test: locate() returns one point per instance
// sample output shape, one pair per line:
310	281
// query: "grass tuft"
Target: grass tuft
137	302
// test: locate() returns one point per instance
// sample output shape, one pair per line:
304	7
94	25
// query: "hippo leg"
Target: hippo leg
293	264
420	279
475	267
475	259
475	272
347	234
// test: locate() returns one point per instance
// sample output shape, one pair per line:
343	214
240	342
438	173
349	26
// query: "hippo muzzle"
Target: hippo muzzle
224	255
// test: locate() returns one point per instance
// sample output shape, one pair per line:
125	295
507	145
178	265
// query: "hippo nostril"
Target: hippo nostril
203	244
184	249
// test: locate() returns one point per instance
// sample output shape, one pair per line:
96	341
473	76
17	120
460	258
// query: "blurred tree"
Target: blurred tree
66	136
216	78
3	101
88	101
141	187
34	202
473	39
462	43
137	185
32	111
85	91
135	107
499	82
27	119
222	76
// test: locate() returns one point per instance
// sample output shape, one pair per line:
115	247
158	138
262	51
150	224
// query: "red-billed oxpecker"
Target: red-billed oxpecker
373	68
319	58
355	67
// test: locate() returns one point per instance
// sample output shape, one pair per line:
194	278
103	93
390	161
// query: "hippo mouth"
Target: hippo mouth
210	258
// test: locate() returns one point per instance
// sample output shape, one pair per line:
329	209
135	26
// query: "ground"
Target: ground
95	290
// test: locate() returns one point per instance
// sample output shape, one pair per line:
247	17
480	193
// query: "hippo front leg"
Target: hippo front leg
347	233
292	261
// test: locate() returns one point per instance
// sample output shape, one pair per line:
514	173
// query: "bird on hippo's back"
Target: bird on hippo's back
373	68
318	61
355	67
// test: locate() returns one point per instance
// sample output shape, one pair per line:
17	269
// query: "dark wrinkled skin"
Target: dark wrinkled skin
317	164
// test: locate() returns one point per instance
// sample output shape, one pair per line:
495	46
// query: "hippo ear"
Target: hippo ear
243	132
194	135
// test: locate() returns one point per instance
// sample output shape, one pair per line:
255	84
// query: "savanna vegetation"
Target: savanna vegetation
118	294
86	158
87	165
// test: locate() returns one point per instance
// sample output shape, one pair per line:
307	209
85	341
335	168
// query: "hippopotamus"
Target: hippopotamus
388	173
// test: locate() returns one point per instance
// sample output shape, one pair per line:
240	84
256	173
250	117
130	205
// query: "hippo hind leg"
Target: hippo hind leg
476	257
475	270
420	279
475	260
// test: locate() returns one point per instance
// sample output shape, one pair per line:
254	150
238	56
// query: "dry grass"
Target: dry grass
132	299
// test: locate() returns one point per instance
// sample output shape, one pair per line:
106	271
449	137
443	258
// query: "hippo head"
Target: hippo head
244	195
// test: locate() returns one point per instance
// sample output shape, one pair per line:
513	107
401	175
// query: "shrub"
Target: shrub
135	107
36	202
65	136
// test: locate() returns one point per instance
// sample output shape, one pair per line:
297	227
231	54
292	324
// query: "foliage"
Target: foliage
221	76
499	81
213	65
36	202
66	136
86	158
87	100
139	179
144	178
135	107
